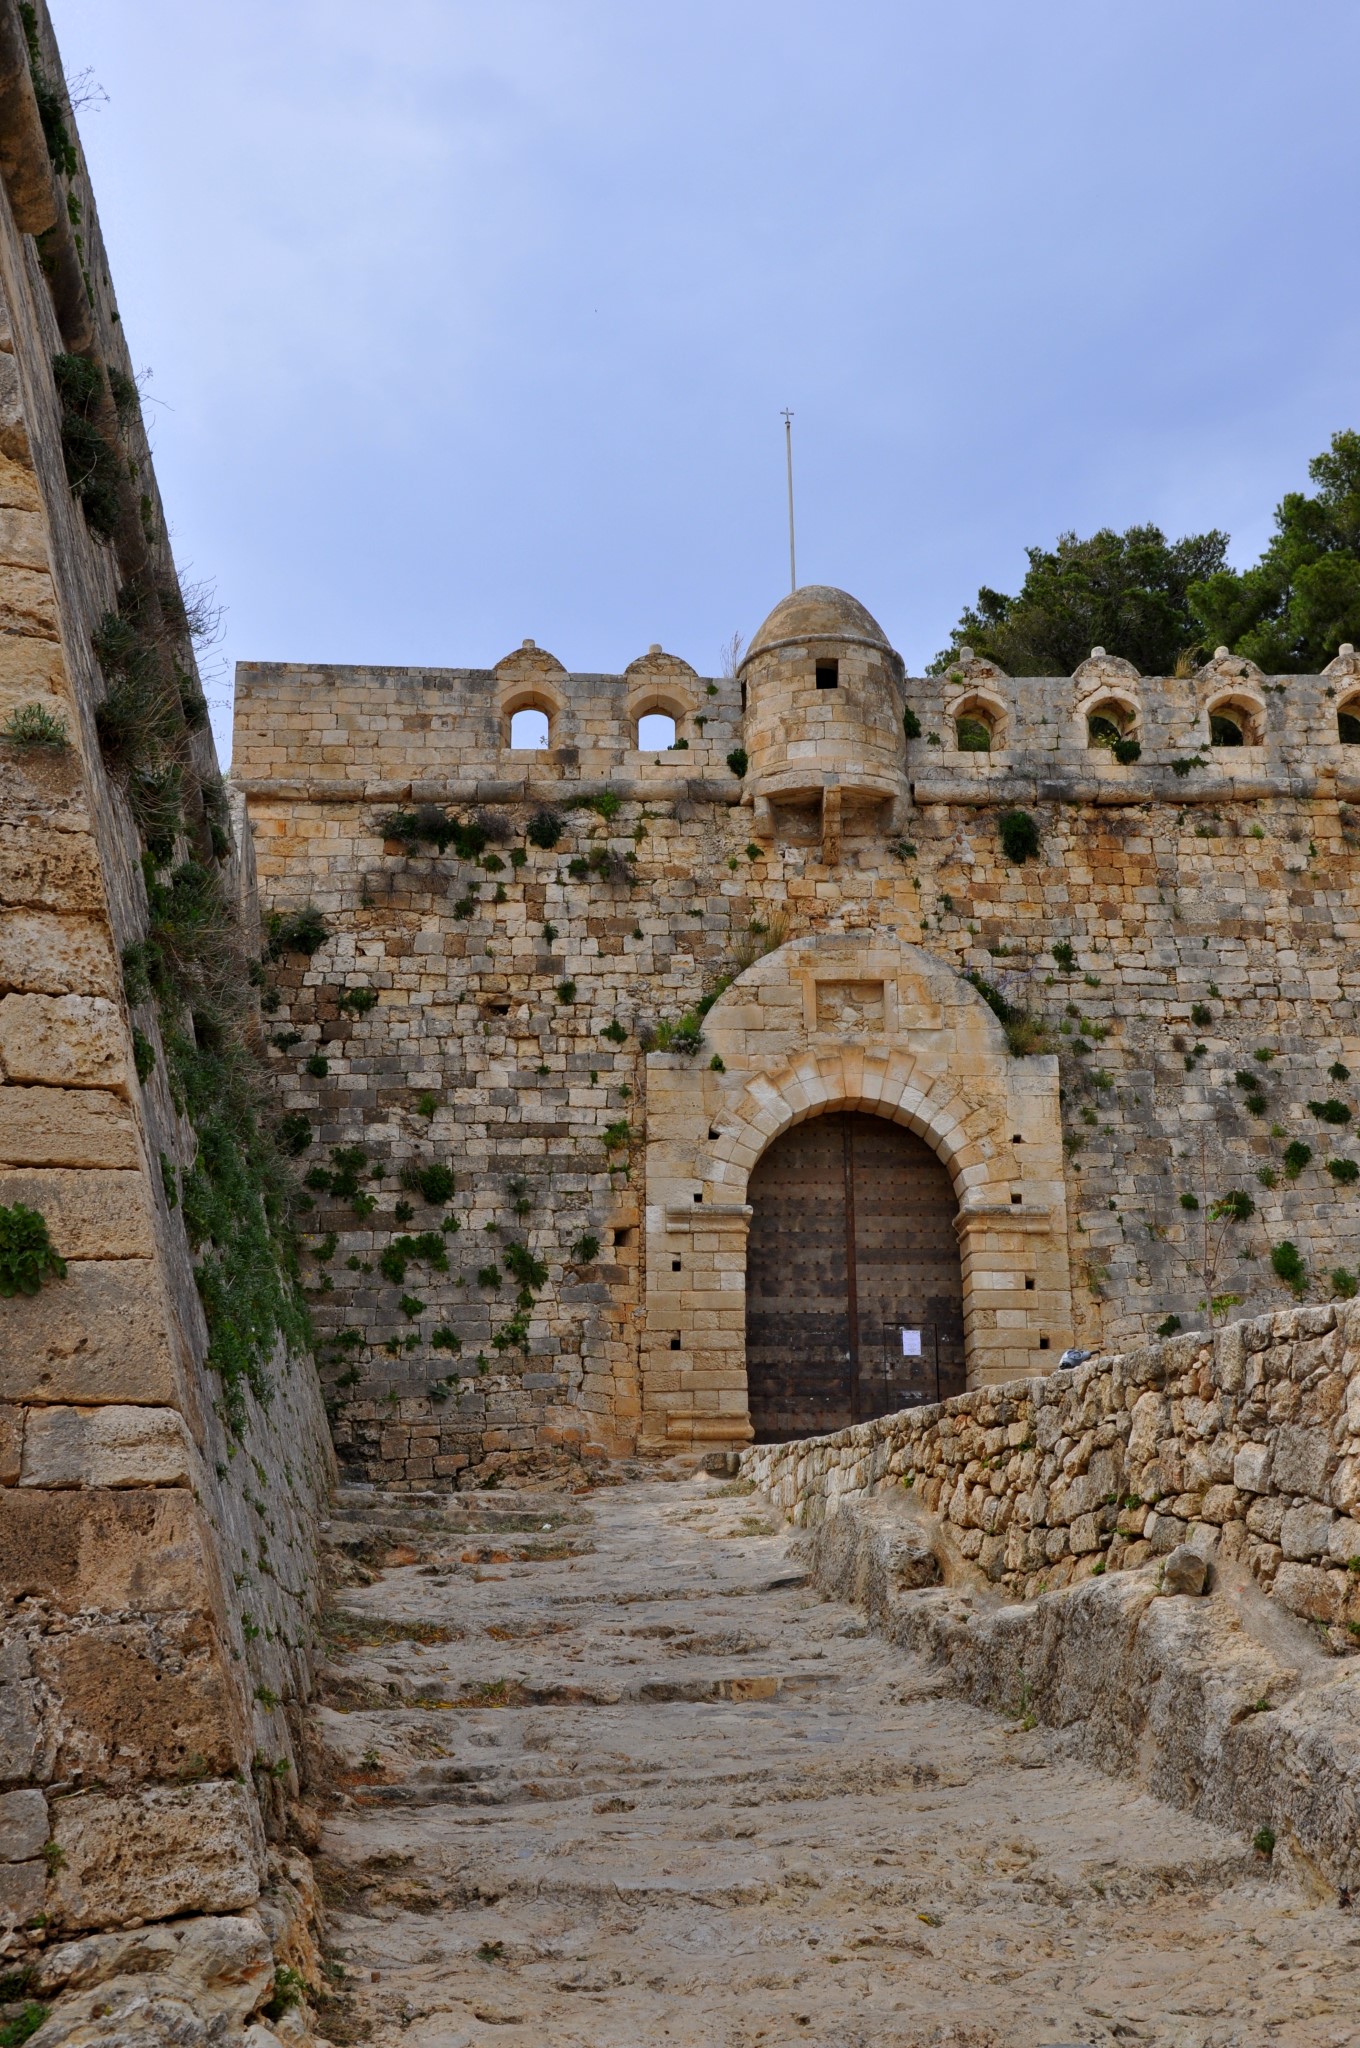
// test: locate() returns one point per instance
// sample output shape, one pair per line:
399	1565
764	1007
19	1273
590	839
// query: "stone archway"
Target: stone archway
845	1022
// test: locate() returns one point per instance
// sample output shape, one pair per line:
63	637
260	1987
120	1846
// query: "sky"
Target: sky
467	320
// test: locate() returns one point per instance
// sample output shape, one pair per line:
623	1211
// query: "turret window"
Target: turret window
656	731
529	730
828	675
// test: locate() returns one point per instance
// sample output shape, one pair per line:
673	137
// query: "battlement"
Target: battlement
326	731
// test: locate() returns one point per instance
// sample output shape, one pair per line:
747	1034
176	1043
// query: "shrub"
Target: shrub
1263	1841
1344	1283
1190	1202
317	1065
529	1271
738	761
1200	1015
1288	1266
434	1183
143	1056
1234	1207
614	1032
1345	1172
566	991
1065	955
1331	1111
684	1035
586	1249
489	1276
294	1133
911	724
1296	1157
392	1263
1126	752
33	725
94	468
27	1254
616	1135
1168	1326
1338	1071
358	1001
404	1211
304	931
1019	835
445	1339
427	1104
411	1307
545	829
1026	1034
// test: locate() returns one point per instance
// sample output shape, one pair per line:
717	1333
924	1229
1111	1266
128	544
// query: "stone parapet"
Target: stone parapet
1245	1446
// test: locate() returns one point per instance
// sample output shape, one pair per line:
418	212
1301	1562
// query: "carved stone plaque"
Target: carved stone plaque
856	1006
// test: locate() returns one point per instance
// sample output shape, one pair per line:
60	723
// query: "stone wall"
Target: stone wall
1245	1446
1206	894
158	1573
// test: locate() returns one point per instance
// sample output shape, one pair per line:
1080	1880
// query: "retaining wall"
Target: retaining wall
1246	1446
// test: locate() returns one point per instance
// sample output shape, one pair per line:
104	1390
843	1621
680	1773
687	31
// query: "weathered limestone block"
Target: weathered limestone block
143	1550
1251	1468
92	1214
1302	1461
46	954
142	1700
66	1127
28	603
100	1335
23	1824
63	1041
49	870
110	1446
11	1442
1185	1571
1305	1531
1307	1590
148	1855
220	1965
21	1731
23	1887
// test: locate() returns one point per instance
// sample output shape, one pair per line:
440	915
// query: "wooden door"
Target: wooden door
854	1295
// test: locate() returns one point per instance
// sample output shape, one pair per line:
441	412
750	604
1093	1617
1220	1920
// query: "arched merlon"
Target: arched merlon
854	1021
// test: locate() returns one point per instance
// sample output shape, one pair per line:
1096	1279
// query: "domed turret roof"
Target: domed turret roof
815	611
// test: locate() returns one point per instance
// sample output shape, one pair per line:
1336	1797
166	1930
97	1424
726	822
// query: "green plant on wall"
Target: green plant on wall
93	467
33	725
27	1254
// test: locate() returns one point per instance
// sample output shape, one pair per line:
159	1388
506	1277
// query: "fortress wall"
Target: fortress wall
1211	912
158	1577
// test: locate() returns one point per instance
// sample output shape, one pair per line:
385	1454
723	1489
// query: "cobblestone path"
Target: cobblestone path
606	1772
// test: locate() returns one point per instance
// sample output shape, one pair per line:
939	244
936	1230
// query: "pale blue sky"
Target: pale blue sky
472	319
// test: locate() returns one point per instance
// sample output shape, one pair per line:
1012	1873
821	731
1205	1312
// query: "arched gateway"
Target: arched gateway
854	1285
846	1072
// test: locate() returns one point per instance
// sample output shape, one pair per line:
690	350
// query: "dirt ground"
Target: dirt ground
605	1771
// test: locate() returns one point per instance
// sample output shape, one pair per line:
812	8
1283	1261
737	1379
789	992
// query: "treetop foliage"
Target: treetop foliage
1163	604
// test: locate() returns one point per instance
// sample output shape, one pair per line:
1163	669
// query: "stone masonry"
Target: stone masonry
158	1573
1183	943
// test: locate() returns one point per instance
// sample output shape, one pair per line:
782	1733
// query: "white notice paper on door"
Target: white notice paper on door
911	1343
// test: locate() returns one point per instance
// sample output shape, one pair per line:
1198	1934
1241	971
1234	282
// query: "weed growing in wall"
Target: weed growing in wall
33	725
27	1254
93	469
